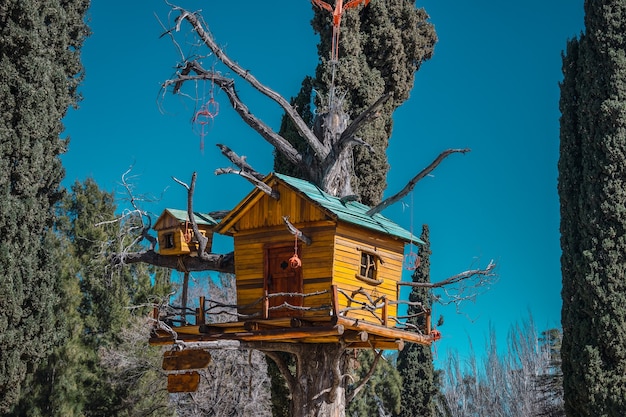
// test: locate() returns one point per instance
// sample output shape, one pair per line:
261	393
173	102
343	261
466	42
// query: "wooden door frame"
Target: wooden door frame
268	248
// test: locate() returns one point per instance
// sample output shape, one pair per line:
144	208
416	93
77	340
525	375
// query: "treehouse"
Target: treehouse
175	233
312	268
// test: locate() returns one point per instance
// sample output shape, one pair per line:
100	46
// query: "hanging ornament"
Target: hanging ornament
411	260
294	261
203	117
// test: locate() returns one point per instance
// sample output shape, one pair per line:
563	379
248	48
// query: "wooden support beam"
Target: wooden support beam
335	301
382	344
200	320
287	333
385	318
386	332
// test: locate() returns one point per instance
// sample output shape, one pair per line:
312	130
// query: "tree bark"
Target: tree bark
317	387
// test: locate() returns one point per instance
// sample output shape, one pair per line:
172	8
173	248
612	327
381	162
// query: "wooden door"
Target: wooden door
280	277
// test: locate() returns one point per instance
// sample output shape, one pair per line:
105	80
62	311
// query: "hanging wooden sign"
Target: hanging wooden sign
187	382
179	360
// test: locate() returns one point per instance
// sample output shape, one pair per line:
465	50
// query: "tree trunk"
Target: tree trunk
317	387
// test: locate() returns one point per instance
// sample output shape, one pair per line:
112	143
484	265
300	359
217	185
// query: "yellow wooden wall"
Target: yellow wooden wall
334	256
262	225
348	244
316	267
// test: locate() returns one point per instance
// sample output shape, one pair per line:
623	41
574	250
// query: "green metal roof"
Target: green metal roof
350	211
201	218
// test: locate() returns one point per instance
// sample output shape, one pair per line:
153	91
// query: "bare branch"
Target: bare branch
487	271
368	115
365	379
258	184
211	262
227	85
284	369
300	124
296	232
407	188
202	240
240	161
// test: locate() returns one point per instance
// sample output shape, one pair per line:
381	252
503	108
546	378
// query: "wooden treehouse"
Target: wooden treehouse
310	268
175	233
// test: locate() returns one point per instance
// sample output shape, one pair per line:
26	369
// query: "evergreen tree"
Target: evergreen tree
592	190
40	71
381	48
415	362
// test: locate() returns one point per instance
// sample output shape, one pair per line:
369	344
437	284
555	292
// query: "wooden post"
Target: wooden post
335	301
428	322
184	297
200	312
266	306
385	313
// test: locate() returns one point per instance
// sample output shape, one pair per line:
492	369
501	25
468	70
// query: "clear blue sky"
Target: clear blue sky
492	86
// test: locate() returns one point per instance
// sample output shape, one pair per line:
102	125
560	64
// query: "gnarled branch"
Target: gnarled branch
487	271
407	188
250	177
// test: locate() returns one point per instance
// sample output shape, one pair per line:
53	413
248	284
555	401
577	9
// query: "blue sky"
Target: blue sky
492	86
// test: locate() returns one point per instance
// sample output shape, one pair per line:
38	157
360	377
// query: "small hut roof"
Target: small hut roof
181	215
351	212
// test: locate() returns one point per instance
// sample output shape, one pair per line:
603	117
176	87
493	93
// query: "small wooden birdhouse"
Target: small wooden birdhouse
347	272
175	233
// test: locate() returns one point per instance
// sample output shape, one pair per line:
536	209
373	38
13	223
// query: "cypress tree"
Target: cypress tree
592	190
381	47
415	362
40	71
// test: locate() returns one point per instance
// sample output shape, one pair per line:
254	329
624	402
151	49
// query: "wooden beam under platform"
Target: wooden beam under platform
388	333
275	335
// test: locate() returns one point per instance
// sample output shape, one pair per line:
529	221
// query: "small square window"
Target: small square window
168	240
368	265
368	270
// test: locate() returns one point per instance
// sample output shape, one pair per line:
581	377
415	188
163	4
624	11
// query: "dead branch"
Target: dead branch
208	40
250	177
202	240
240	161
283	368
487	272
212	262
365	379
367	116
296	232
407	188
227	85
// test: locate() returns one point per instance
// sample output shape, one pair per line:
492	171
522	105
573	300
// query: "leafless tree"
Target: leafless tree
508	385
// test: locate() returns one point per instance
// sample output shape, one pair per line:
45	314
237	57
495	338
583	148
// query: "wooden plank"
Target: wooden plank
186	382
178	360
385	332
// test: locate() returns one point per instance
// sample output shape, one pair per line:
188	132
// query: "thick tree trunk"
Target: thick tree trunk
318	385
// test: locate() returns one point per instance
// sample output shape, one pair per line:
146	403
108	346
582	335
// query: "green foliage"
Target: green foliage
39	72
78	378
278	388
415	362
592	191
381	394
381	48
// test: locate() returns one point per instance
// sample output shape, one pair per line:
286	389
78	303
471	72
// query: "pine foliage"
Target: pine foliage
592	190
381	48
415	362
40	70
